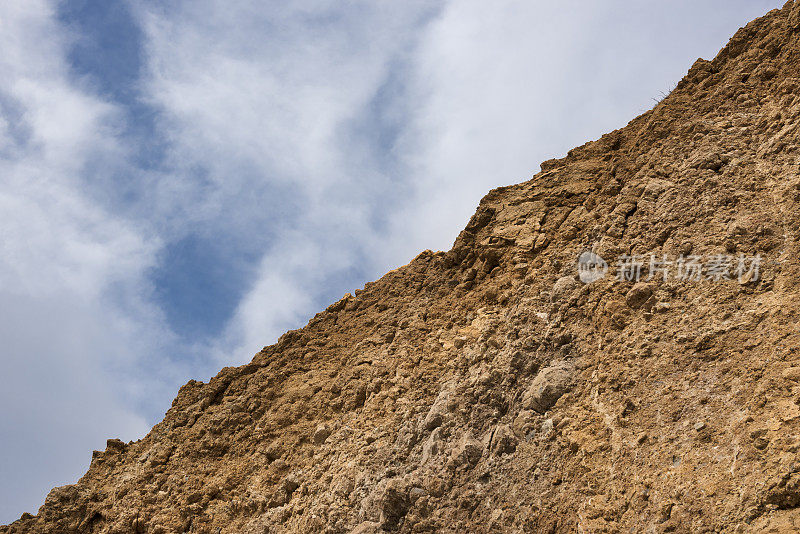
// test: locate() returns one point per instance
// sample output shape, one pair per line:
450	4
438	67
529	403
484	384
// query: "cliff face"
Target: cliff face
488	389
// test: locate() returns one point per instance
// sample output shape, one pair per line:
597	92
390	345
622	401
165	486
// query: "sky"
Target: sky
181	182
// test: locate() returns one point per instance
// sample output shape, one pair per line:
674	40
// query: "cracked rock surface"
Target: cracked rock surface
486	389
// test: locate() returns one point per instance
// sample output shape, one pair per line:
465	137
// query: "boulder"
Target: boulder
547	387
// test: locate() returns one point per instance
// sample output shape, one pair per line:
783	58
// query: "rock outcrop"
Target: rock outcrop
487	389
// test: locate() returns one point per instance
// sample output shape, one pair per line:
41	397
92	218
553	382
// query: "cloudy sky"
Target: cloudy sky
181	182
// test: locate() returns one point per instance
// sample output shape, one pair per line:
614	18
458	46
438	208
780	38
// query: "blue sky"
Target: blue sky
182	182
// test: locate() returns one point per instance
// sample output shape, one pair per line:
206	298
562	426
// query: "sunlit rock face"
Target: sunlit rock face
493	388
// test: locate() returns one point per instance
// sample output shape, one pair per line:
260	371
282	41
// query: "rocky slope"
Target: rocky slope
486	389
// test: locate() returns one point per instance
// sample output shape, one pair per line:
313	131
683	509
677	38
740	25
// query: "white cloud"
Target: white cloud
265	102
71	274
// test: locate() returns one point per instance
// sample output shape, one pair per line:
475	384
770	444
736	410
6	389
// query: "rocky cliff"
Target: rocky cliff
489	389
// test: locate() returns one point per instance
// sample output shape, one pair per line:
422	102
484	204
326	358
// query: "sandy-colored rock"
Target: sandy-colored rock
486	389
321	433
547	387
